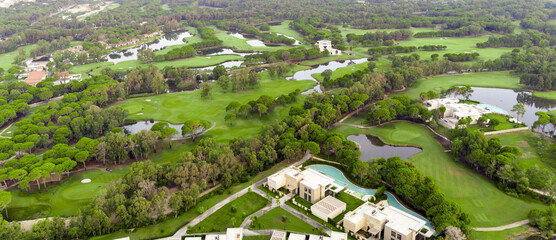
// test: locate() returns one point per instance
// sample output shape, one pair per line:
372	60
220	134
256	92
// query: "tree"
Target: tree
229	117
326	75
219	71
82	157
5	200
194	127
224	82
206	88
261	109
265	27
519	110
145	56
176	202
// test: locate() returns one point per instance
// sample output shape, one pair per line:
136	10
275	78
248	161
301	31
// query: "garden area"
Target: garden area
278	218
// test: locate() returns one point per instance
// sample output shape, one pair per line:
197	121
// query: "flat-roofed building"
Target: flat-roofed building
193	238
295	236
385	223
338	236
215	237
309	184
455	111
328	207
234	233
278	235
318	237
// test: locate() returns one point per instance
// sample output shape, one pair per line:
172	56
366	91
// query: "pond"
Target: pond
147	125
169	39
295	43
256	43
332	65
342	181
372	147
505	99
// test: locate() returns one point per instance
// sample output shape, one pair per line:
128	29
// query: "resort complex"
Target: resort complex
455	110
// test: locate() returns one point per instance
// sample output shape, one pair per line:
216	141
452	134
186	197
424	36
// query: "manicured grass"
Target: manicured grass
258	237
193	39
83	69
63	199
487	205
7	59
226	217
179	107
521	232
241	44
274	220
481	79
547	95
456	45
344	56
504	123
340	72
193	62
285	29
267	191
525	141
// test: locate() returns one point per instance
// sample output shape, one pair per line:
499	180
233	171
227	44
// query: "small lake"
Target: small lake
169	39
372	147
342	181
332	65
505	99
147	125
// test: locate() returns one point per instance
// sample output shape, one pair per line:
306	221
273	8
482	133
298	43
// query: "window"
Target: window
309	198
309	191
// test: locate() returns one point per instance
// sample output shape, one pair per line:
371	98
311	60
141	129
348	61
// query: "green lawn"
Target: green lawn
456	45
83	69
340	72
230	215
351	203
521	232
241	44
525	141
481	79
179	107
258	237
62	199
504	123
547	95
478	196
7	59
274	219
285	29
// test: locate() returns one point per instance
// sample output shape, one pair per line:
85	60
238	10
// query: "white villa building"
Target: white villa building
385	223
329	207
308	184
231	234
455	111
327	45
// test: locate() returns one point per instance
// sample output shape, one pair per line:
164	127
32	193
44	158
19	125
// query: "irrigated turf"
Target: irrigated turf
487	205
241	44
481	79
230	215
548	95
521	232
274	219
63	199
285	29
525	140
179	107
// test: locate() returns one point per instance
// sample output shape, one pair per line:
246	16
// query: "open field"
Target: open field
524	141
487	205
346	31
285	29
83	69
481	79
274	219
504	123
7	59
182	106
521	232
63	199
193	62
456	45
230	215
547	95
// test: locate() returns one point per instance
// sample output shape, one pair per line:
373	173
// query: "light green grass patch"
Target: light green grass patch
546	95
486	204
230	215
525	141
285	29
340	72
274	219
481	79
241	44
521	232
64	199
83	69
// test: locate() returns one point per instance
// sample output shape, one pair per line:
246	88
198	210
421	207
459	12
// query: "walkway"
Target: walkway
183	230
501	228
507	131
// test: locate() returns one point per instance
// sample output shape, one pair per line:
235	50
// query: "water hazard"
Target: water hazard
372	147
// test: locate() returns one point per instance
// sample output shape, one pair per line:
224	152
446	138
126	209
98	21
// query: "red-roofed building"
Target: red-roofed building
35	77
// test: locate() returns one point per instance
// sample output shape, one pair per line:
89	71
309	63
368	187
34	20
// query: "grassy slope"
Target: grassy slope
548	95
285	29
63	199
179	107
241	44
482	79
7	59
343	71
512	233
487	205
273	220
222	218
523	140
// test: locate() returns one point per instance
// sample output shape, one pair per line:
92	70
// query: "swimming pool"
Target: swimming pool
342	181
492	108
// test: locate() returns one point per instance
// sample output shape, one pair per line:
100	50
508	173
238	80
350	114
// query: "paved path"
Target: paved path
183	230
507	131
501	228
306	218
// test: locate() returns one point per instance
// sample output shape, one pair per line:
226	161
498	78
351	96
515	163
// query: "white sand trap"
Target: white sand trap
86	180
9	132
139	113
148	100
208	57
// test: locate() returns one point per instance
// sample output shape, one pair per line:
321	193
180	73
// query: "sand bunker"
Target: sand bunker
148	100
86	180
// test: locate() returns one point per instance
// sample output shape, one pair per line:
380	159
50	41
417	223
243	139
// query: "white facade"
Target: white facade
278	235
455	111
308	184
387	223
295	236
327	45
231	234
329	207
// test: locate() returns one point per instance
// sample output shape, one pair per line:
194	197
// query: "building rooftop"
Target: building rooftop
401	221
295	236
34	77
234	233
215	237
318	237
312	177
338	236
278	235
329	204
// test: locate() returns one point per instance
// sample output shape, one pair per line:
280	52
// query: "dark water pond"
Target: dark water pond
169	39
372	147
147	125
506	98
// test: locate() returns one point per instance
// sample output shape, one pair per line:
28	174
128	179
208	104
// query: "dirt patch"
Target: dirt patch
523	144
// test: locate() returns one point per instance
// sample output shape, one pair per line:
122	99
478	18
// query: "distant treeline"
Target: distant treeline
380	37
519	40
392	49
461	57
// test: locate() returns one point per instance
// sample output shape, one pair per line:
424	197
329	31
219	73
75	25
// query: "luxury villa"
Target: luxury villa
455	111
327	45
308	184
